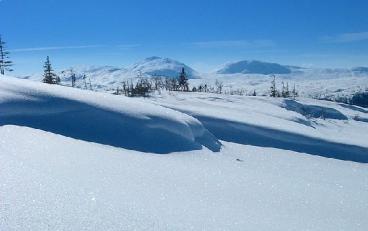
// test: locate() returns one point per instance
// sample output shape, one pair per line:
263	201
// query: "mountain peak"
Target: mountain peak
254	67
152	58
160	66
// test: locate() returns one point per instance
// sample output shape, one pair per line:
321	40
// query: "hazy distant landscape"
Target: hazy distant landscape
243	77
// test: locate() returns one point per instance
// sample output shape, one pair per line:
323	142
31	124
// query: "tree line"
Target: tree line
285	91
144	86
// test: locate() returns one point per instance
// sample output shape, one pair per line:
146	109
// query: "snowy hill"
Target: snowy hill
121	122
255	67
105	78
82	160
307	126
157	66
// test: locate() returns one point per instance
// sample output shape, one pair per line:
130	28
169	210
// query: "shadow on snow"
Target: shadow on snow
254	135
86	122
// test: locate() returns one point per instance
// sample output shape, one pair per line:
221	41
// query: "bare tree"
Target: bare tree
219	86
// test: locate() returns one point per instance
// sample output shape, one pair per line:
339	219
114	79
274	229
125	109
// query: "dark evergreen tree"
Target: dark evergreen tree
183	81
285	90
5	63
73	77
294	92
84	80
273	87
90	84
49	76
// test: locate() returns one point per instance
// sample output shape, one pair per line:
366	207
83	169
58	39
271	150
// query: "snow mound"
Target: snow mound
101	118
313	127
254	67
313	111
157	66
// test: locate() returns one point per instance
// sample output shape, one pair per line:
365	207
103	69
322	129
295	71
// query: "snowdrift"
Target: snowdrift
306	126
101	118
314	111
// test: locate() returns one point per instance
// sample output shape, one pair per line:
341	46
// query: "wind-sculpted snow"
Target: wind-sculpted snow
251	134
51	182
270	173
314	127
314	111
101	118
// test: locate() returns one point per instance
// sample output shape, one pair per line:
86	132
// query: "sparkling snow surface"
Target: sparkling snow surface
282	165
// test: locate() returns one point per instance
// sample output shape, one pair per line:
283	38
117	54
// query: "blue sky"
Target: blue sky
204	34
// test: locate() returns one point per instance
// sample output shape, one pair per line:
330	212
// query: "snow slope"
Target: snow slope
107	119
66	184
311	83
307	126
271	172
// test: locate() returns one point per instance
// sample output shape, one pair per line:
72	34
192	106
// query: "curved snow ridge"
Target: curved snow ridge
96	117
313	111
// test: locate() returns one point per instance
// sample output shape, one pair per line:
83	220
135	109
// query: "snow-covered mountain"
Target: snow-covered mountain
267	68
109	77
255	67
360	70
247	76
157	66
149	67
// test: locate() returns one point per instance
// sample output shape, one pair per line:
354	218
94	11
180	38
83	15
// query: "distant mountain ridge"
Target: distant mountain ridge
255	67
107	77
110	77
360	70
